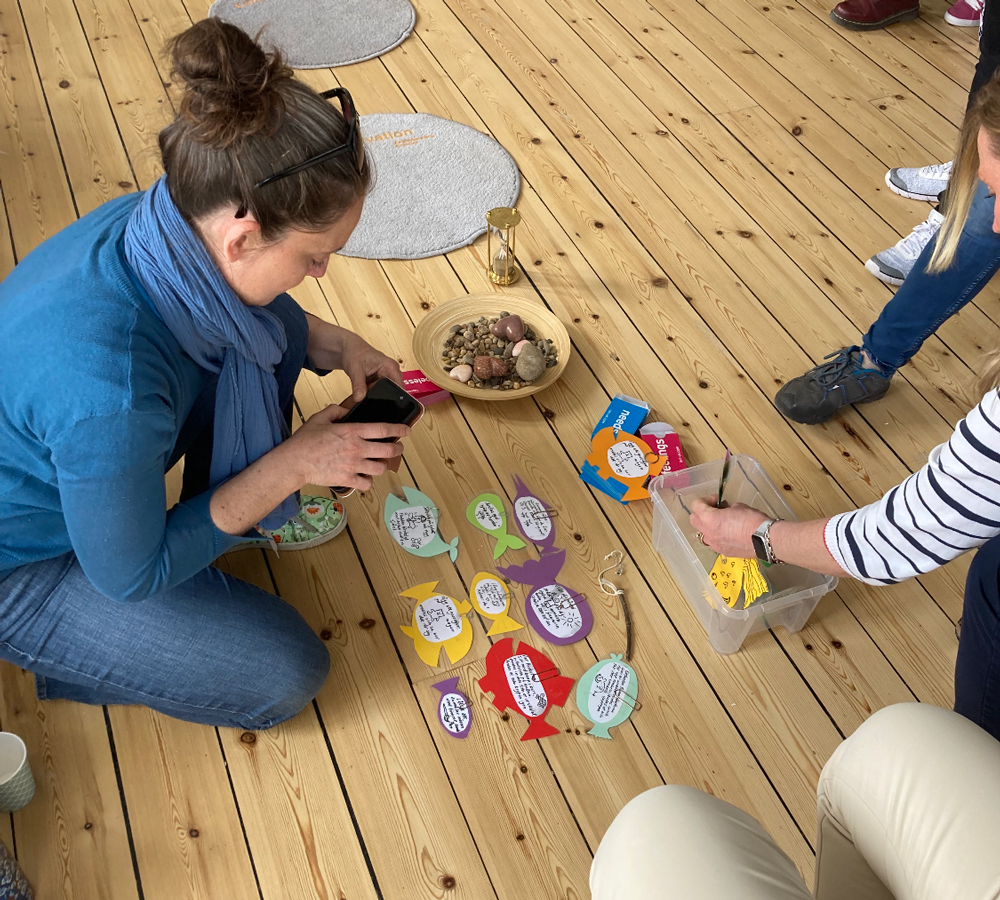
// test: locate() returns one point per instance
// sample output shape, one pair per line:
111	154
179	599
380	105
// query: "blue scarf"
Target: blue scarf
242	344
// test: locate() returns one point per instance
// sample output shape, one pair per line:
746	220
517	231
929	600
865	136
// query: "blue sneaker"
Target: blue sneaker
844	380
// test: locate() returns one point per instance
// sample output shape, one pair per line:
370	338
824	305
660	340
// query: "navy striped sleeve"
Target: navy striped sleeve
950	506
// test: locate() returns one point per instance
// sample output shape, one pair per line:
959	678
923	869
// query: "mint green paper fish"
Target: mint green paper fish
413	524
487	513
606	694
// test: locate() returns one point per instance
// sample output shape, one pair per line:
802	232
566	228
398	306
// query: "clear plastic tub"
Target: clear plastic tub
794	591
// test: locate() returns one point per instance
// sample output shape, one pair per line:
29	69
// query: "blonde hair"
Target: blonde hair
983	114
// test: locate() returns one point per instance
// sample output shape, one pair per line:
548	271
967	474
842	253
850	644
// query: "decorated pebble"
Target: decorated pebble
510	327
518	347
530	362
462	373
489	367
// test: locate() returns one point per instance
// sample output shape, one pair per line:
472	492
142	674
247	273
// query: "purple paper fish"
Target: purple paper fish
557	613
534	517
454	709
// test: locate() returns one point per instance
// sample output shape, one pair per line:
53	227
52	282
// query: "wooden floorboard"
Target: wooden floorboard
702	181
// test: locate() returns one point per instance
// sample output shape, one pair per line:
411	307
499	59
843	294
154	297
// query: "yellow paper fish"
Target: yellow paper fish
438	620
490	597
733	577
727	576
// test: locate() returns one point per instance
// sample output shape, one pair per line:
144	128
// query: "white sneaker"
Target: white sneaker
924	183
893	265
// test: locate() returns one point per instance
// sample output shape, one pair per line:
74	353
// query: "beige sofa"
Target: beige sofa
908	809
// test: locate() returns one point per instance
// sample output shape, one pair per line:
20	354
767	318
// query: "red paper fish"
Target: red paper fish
526	682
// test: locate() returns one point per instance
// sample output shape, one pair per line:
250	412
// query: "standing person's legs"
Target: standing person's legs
212	650
925	301
919	308
675	841
977	671
195	440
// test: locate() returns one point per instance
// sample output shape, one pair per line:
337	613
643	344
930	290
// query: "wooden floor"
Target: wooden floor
703	180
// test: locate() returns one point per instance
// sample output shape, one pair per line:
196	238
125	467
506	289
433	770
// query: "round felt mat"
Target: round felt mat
321	33
435	180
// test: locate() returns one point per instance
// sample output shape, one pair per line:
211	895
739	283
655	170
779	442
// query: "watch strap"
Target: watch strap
763	533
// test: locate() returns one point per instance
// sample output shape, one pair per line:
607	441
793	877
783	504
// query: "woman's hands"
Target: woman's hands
332	347
347	455
364	364
727	531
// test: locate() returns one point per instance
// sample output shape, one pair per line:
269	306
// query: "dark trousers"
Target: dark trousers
977	672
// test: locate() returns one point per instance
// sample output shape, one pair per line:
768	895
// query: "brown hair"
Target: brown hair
243	117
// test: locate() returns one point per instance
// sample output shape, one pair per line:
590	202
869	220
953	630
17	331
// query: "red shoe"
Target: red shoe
868	15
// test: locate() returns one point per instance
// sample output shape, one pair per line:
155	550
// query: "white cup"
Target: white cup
17	784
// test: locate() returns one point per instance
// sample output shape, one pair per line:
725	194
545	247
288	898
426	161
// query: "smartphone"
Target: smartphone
385	401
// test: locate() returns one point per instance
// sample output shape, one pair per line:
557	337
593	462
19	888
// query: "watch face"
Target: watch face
759	548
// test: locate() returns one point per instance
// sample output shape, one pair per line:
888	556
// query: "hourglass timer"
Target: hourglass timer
500	240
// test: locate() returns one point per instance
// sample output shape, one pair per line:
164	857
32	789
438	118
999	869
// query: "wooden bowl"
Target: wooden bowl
432	331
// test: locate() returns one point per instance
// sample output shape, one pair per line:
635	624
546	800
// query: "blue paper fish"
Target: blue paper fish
413	524
606	694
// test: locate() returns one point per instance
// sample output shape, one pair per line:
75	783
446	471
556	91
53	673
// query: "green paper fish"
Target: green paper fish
606	694
413	524
487	513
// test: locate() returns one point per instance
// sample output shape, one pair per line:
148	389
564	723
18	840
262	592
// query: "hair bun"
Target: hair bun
230	83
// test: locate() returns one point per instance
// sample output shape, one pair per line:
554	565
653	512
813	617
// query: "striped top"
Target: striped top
951	505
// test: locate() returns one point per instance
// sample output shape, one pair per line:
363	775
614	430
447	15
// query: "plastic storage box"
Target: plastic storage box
794	591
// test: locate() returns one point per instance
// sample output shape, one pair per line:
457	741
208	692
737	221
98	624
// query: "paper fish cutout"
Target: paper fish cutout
527	683
558	614
490	597
732	577
487	513
534	517
606	694
454	710
438	620
626	459
413	524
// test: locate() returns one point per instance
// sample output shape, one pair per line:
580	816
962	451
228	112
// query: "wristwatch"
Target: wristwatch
762	542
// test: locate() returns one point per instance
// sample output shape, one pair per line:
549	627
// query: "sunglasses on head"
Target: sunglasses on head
353	145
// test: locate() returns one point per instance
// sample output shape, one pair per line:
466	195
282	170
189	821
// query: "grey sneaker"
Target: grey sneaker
924	183
814	397
893	265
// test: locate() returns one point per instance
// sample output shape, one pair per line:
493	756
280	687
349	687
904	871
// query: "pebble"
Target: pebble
519	346
510	327
462	373
530	362
490	367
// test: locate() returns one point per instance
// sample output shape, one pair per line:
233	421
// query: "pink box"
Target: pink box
421	388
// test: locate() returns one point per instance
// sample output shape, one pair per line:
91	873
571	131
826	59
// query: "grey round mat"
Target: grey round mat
435	180
314	34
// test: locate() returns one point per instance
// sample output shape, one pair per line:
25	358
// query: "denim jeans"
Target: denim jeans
977	671
925	302
213	650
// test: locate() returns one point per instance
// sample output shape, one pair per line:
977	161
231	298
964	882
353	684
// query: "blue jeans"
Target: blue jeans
977	671
213	650
925	302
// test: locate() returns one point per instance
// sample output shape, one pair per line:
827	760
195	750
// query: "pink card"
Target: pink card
664	441
421	388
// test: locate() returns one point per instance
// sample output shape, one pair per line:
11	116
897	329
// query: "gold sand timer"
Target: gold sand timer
502	222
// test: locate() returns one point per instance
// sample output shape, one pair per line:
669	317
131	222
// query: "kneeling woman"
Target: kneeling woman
167	316
950	506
